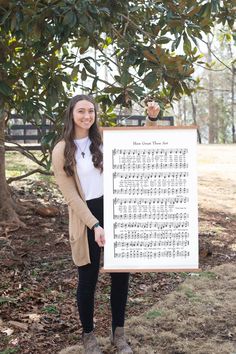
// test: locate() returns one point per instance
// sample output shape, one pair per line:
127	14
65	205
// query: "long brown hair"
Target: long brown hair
69	136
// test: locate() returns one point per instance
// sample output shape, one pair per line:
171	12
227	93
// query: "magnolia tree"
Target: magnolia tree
46	49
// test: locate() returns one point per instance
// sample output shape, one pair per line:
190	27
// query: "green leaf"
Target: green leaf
125	78
5	17
83	75
163	40
194	40
85	43
82	43
187	45
94	84
105	10
205	11
150	80
142	68
138	90
13	23
113	89
74	73
108	40
131	58
69	19
5	89
89	68
48	139
186	89
178	41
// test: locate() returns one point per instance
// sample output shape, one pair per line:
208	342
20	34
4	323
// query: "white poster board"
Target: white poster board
150	199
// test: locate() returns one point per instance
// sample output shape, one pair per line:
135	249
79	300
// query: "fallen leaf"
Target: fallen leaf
20	325
34	317
8	331
14	341
47	211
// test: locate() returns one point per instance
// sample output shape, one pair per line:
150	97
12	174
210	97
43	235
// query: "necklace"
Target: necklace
83	151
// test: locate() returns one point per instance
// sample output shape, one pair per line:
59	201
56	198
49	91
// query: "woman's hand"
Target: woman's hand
153	109
99	236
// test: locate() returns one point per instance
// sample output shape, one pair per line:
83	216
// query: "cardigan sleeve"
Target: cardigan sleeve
68	188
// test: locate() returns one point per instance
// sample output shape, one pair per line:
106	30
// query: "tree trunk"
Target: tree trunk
8	215
233	102
184	111
194	110
211	110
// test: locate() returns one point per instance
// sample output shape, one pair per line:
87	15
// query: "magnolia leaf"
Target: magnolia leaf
113	89
187	45
206	10
193	11
141	69
5	89
48	139
186	88
89	68
163	40
69	19
85	43
83	75
150	56
94	84
125	78
105	10
74	73
150	80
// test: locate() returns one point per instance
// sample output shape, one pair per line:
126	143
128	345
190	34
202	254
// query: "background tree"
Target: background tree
214	99
46	51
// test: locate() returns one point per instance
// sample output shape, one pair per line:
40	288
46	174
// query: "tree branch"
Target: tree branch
101	80
26	153
228	67
37	170
210	68
117	64
152	38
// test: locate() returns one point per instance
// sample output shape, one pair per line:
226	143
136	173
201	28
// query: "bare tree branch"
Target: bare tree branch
26	153
204	67
37	170
228	67
146	34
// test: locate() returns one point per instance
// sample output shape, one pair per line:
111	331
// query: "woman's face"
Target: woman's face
83	116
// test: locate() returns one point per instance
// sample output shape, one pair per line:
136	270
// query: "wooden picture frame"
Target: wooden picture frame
150	199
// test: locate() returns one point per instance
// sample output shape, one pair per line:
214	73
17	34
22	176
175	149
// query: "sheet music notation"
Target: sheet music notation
150	203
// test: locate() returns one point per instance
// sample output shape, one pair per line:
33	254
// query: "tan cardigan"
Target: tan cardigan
80	216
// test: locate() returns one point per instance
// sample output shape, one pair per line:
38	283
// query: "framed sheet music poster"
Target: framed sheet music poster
150	199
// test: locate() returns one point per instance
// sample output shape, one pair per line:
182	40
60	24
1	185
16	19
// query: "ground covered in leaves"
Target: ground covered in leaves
178	313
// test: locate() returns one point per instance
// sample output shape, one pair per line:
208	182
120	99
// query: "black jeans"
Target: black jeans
88	276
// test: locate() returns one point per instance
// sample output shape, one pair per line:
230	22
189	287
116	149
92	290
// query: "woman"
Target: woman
78	167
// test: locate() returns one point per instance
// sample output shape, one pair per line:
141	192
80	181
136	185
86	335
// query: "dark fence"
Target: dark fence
30	135
135	120
26	133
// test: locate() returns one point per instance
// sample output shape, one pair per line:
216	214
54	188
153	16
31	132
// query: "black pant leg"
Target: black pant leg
88	274
118	299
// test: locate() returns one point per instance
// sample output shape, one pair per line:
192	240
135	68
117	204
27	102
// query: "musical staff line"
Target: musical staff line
151	225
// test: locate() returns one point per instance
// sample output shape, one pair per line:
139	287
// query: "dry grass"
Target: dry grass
198	318
217	177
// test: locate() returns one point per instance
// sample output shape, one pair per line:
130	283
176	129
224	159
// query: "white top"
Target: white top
91	178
